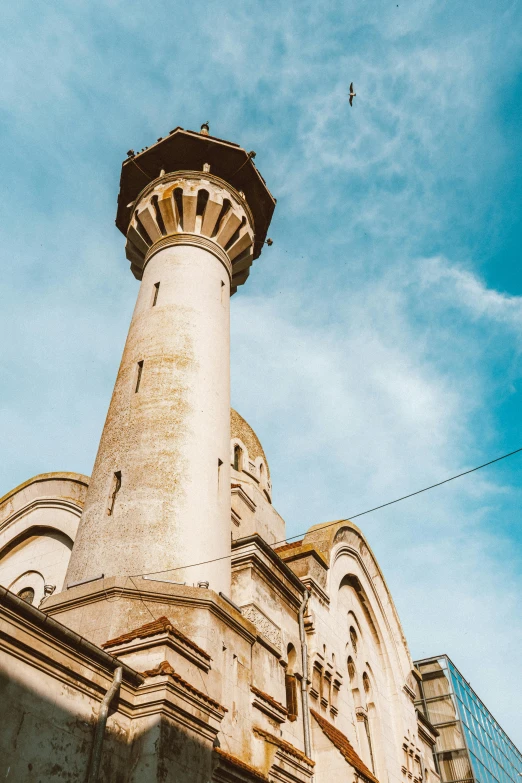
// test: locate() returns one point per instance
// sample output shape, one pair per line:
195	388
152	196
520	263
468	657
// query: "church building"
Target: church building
156	626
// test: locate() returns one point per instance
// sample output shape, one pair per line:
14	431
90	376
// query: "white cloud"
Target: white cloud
369	362
353	412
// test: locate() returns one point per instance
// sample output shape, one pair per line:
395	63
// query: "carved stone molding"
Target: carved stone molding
263	624
187	204
190	239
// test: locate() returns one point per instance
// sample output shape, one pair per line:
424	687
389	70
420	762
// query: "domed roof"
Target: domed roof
239	428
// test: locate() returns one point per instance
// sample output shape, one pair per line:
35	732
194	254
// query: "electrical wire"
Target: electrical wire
347	519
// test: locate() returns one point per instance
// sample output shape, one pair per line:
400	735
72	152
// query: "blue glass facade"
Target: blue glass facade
471	747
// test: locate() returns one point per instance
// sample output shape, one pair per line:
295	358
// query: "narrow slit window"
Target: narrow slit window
291	696
156	292
138	378
115	488
237	457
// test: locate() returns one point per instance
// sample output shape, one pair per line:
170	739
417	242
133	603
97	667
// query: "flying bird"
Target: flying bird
352	94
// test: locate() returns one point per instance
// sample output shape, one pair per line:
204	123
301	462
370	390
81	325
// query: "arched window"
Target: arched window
238	457
262	473
351	668
27	595
366	683
291	683
353	639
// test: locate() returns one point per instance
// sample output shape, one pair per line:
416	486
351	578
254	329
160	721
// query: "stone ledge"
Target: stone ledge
270	706
164	668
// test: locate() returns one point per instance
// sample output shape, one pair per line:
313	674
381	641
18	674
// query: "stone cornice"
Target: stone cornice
192	208
237	489
272	555
286	747
77	478
304	550
139	589
173	176
268	705
316	590
255	551
51	647
196	240
164	669
164	696
83	669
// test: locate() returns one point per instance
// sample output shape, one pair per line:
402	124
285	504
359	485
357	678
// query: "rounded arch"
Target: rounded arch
37	531
47	501
29	581
345	549
353	581
291	657
368	638
38	558
238	456
354	639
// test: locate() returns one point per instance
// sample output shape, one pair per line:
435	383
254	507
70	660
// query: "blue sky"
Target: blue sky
376	347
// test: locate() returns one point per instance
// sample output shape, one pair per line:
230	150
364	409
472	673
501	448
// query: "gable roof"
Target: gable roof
344	746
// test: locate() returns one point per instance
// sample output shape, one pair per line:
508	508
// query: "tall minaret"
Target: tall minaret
195	212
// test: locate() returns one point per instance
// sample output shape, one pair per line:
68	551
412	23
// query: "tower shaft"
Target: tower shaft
159	498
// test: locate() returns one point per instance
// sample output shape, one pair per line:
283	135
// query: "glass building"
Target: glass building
471	746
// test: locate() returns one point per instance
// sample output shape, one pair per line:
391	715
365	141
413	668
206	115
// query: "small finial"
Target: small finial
162	173
206	168
269	242
205	128
130	153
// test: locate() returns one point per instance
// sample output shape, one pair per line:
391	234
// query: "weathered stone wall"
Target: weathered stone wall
38	523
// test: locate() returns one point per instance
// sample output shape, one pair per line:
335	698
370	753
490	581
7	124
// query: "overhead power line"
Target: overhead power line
347	519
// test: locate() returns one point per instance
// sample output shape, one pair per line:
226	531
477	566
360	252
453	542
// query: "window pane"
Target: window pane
436	686
441	710
455	766
450	737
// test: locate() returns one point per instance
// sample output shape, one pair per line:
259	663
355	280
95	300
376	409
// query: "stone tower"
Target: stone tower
195	212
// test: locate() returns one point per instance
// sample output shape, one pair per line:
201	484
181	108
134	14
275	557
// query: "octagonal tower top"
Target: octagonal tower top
189	151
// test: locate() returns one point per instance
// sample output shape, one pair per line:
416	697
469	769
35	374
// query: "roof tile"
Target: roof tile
161	625
255	773
269	699
284	745
344	746
164	668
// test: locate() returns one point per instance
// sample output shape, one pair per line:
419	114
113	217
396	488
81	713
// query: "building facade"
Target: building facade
471	747
154	627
